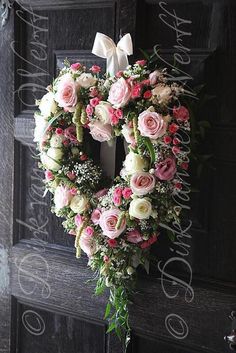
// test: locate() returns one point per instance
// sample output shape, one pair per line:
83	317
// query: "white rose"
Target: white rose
134	163
79	203
48	105
140	208
40	127
102	112
86	80
57	140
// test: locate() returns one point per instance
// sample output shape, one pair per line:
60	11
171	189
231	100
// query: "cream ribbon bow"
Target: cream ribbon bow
116	56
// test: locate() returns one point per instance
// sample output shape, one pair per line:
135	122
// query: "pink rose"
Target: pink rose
94	101
89	231
108	222
118	191
142	183
86	243
95	216
100	132
66	95
89	110
151	124
181	113
166	169
116	200
120	93
134	236
62	197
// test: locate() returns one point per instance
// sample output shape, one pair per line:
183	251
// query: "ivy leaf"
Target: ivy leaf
150	148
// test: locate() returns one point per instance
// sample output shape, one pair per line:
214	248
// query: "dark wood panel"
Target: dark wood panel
49	332
64	4
37	279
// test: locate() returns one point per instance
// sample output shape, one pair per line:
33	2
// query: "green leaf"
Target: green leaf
111	327
150	148
107	311
145	54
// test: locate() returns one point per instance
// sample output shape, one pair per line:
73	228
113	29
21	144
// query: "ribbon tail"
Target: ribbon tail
112	65
122	61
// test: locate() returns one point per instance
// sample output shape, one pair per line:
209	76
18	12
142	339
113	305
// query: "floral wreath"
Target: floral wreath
114	224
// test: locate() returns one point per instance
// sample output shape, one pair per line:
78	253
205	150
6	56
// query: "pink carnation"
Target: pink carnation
134	236
166	169
89	110
142	183
95	69
136	90
127	192
108	222
116	200
94	101
181	113
151	124
120	93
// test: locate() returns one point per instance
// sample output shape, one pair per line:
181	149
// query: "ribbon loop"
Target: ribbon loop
117	56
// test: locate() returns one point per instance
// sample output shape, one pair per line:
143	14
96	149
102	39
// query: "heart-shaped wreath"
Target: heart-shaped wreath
116	225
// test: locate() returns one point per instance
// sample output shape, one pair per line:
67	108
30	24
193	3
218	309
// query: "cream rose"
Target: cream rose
57	140
140	208
51	159
79	203
40	127
161	93
134	163
102	112
128	134
47	105
86	80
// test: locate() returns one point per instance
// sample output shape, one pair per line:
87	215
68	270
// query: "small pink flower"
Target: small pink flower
176	141
184	166
151	124
94	101
116	200
66	143
181	113
114	119
166	169
134	236
149	242
95	69
106	259
95	217
59	131
145	82
49	175
89	110
173	128
147	94
83	157
71	175
75	66
73	191
112	243
89	231
78	220
176	150
141	62
167	139
127	192
136	90
178	186
119	113
93	92
108	222
118	192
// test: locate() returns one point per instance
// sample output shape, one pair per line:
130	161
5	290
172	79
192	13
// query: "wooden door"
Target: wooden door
45	303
